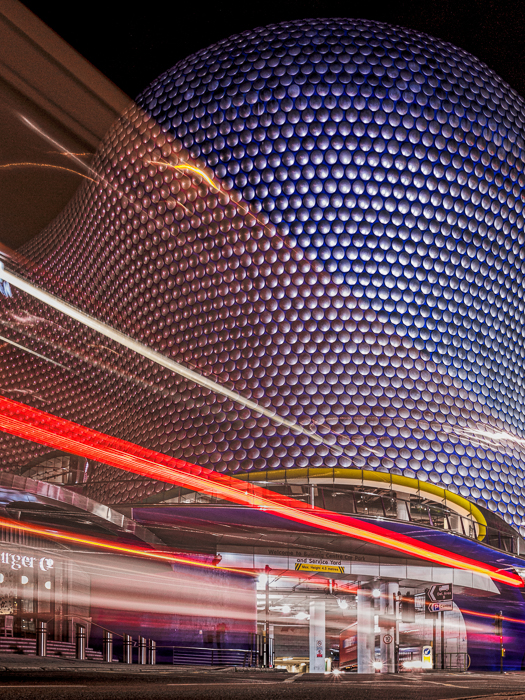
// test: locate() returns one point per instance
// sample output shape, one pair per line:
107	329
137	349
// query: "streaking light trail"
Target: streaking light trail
133	345
186	166
46	429
167	556
45	165
112	546
59	147
490	616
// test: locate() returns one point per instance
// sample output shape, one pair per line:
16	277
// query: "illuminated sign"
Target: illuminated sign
440	607
349	642
426	657
19	561
327	568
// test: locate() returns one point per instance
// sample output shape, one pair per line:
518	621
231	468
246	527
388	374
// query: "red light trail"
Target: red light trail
46	429
491	616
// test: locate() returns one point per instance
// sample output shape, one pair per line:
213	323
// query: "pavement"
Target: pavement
30	677
20	663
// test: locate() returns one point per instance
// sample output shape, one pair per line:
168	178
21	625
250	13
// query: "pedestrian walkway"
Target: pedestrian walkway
24	663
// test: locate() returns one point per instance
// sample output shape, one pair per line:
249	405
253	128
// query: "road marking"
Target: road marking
451	685
241	682
294	678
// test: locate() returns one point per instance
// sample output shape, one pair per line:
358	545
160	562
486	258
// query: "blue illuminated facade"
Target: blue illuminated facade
395	161
359	268
325	217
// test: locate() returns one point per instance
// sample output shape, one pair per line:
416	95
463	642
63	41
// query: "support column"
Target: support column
317	636
365	631
388	626
267	643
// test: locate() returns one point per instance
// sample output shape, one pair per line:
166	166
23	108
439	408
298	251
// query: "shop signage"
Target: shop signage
20	561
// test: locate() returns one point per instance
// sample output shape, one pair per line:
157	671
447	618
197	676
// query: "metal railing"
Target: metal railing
351	500
457	661
147	648
207	656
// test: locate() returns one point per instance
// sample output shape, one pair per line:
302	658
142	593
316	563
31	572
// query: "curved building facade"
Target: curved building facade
325	216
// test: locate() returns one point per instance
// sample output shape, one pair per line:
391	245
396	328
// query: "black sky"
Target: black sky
132	45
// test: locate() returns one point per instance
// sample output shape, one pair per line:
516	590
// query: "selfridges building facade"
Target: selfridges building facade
325	216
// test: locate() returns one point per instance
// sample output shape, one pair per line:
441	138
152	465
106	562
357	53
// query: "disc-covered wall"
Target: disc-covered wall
325	216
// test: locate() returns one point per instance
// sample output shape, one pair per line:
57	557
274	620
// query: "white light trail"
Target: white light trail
492	437
60	148
157	357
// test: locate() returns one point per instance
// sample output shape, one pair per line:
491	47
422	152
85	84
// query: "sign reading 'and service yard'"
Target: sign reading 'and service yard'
328	566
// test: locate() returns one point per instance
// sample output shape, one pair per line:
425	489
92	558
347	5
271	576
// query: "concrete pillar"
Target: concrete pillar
317	636
271	645
267	643
387	635
365	631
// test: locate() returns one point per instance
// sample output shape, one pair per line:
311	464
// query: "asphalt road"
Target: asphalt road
257	686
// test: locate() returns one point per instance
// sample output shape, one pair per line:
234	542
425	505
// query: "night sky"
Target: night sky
132	46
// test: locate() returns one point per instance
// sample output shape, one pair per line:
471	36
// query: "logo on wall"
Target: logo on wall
18	561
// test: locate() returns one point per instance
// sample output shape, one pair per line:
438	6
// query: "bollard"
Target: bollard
142	651
127	649
107	645
41	638
152	652
81	642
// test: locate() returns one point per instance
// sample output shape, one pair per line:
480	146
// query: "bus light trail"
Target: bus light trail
46	429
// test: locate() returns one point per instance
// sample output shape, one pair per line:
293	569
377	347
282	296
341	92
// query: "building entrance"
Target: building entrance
317	620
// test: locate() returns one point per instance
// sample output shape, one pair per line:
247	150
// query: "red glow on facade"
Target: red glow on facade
58	433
